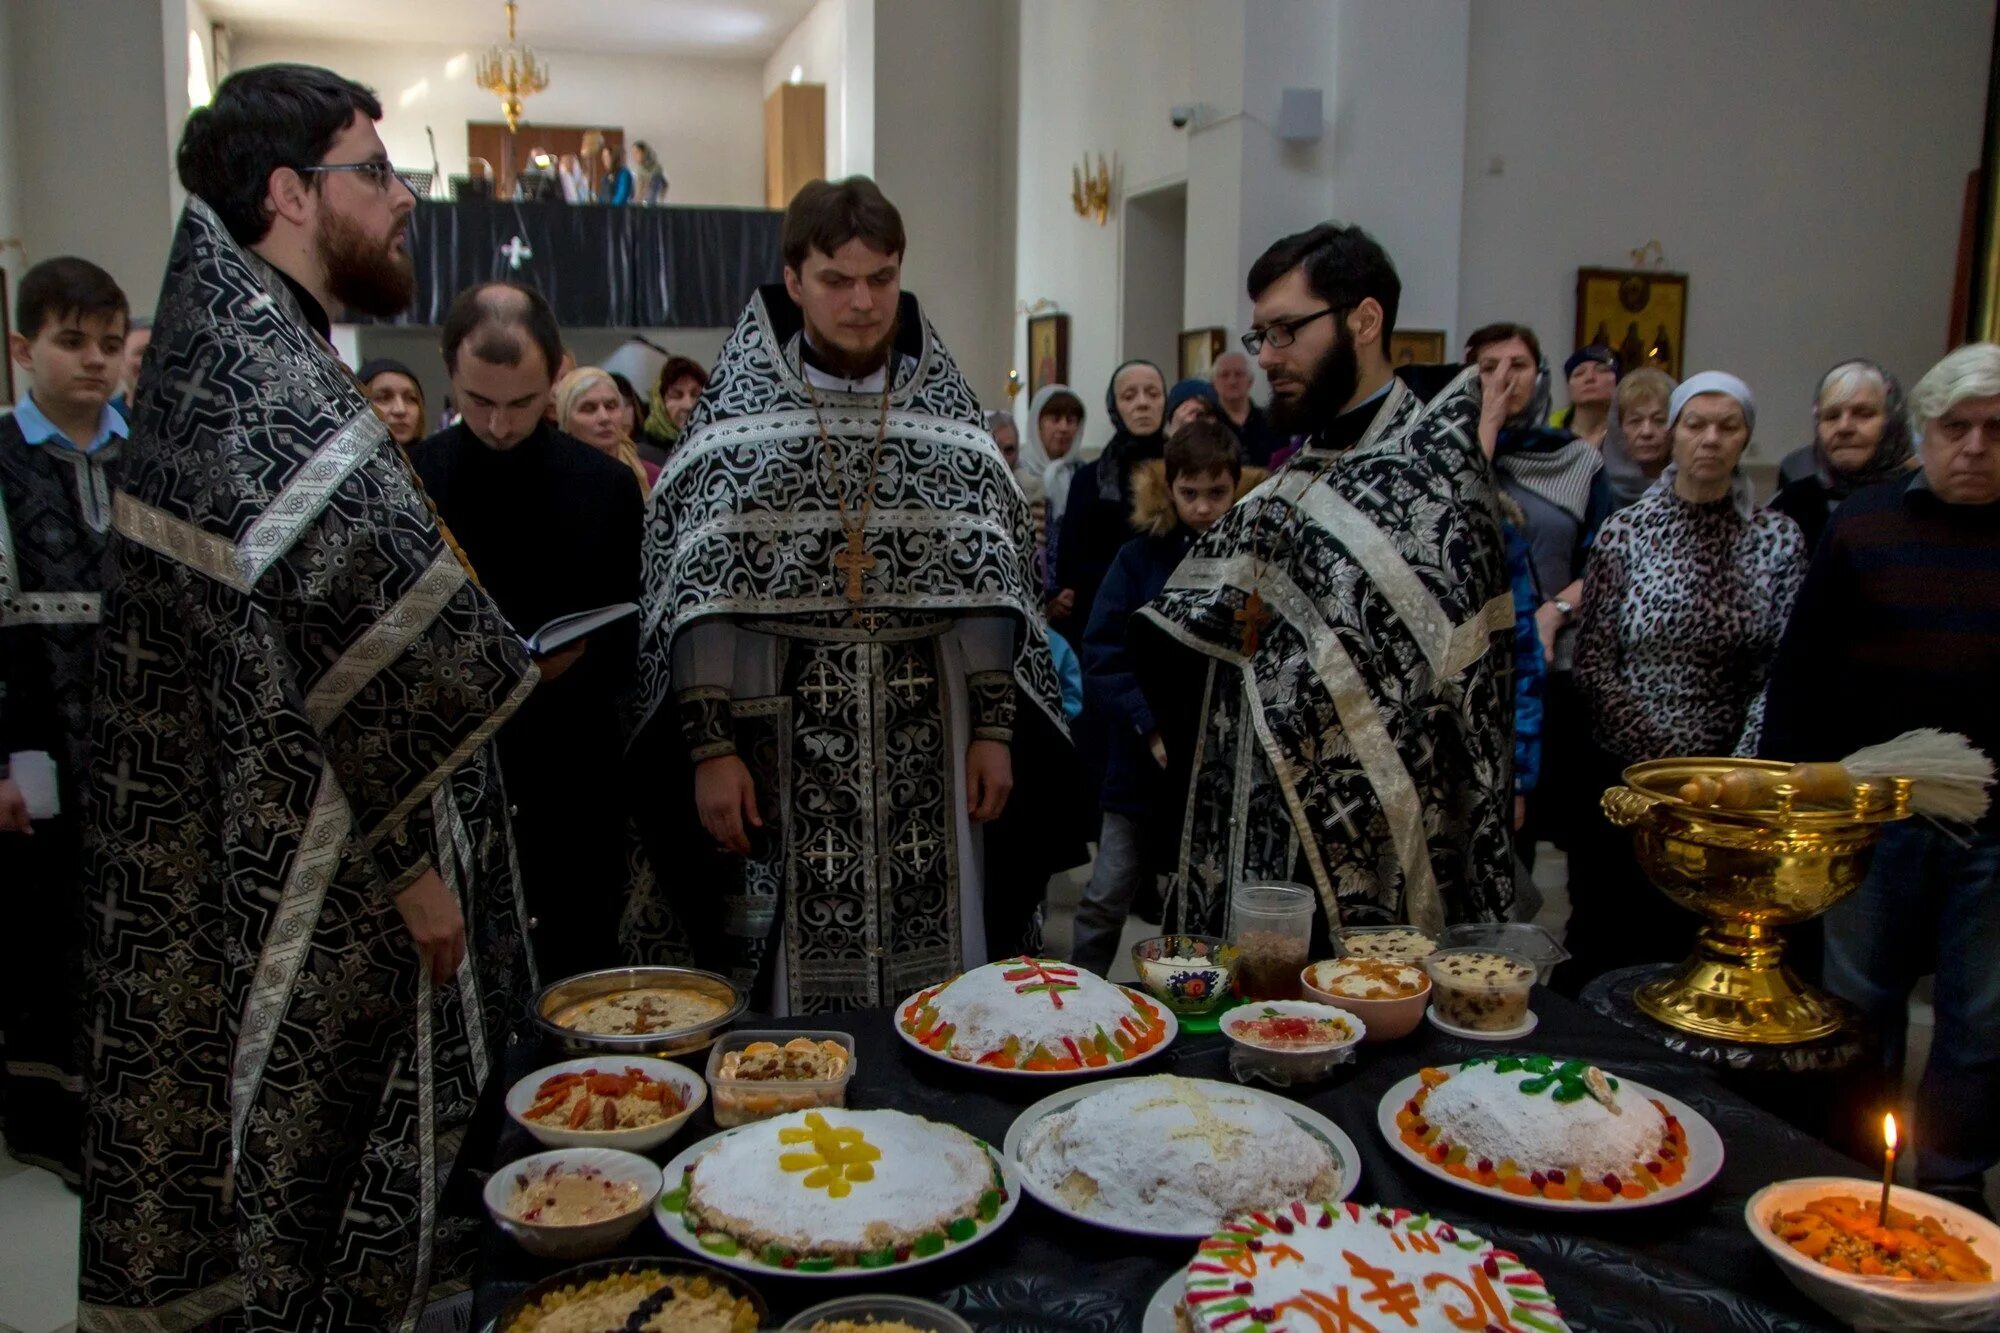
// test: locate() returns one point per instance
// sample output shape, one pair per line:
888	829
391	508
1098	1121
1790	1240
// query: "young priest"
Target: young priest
58	462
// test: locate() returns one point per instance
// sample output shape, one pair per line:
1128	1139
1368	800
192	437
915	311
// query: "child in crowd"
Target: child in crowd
1173	502
58	466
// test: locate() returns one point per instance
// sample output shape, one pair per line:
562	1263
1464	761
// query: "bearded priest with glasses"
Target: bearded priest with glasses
1342	713
842	627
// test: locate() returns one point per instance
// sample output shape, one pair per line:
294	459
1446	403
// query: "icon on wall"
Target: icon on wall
1416	347
1639	313
1048	352
1199	348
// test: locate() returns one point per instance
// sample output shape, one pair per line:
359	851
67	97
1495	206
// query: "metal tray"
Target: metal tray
677	1041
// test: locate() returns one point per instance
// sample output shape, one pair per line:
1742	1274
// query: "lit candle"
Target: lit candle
1888	1165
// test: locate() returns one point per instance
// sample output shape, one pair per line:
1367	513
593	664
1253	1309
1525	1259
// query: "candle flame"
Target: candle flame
1889	1131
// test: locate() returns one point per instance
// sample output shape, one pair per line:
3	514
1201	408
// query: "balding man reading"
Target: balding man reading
551	527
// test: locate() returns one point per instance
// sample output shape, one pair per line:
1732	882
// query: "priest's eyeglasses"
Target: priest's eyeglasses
1281	333
381	173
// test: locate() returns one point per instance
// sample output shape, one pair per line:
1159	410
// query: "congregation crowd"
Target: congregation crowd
1653	604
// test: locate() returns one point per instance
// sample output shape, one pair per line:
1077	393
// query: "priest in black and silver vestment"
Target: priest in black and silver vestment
843	624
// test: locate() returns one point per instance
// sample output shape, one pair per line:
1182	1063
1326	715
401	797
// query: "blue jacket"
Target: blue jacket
1530	670
1137	574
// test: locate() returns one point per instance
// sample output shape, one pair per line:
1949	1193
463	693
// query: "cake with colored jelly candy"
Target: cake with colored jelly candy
1176	1154
825	1189
1302	1268
1035	1015
1538	1125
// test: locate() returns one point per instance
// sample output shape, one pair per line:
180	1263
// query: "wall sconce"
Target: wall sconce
1090	191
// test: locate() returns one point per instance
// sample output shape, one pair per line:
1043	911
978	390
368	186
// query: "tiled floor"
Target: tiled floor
38	1217
38	1229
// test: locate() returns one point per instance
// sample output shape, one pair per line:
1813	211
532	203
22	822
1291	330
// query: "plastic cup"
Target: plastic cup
1272	925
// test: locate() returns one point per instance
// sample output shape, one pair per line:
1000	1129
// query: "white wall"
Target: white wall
1804	168
834	45
705	118
108	199
1096	77
937	156
10	170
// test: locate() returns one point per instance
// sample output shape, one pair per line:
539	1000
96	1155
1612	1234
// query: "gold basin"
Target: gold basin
1747	872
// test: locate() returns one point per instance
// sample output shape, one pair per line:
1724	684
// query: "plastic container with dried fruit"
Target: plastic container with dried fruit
756	1075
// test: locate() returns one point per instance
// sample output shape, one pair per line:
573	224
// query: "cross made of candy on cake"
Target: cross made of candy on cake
1224	1139
1040	976
840	1157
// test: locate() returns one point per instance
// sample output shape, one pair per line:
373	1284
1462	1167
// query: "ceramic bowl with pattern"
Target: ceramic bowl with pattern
1190	974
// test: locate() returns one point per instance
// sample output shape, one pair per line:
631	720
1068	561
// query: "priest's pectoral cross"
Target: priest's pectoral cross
854	563
1251	620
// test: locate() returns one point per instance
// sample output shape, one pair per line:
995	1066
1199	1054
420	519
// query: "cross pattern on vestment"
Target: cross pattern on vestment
133	654
916	846
112	912
518	252
828	852
1251	621
123	784
910	682
1344	812
853	563
1224	1139
821	684
191	388
871	621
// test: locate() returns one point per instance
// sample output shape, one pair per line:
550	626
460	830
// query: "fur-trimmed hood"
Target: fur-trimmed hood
1153	504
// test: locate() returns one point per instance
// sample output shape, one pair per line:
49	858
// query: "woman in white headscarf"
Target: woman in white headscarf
1685	599
1049	451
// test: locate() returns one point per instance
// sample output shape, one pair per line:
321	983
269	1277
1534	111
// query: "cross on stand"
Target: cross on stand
1251	621
828	852
854	562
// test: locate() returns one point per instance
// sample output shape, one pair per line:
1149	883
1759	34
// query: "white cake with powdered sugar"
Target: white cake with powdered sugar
1035	1015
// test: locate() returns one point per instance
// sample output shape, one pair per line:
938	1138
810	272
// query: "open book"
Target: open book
565	630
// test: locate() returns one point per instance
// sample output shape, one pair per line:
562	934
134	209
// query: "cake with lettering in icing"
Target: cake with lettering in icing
1305	1267
1542	1125
831	1188
1176	1154
1034	1015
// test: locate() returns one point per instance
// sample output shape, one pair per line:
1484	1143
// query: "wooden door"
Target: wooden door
794	140
506	152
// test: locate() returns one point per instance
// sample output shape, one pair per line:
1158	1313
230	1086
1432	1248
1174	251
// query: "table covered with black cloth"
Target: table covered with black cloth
1685	1266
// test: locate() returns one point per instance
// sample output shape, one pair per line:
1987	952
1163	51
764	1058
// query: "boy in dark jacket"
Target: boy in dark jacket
1173	502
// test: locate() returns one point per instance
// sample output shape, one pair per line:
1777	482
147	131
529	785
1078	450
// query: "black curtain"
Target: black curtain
599	266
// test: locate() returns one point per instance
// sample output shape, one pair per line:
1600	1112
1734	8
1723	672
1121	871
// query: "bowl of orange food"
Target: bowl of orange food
632	1103
1931	1267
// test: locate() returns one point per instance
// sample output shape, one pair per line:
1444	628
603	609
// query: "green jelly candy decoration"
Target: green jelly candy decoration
989	1205
927	1245
1541	1064
1534	1087
1572	1068
717	1243
816	1264
962	1229
774	1255
1506	1064
876	1259
675	1202
1569	1090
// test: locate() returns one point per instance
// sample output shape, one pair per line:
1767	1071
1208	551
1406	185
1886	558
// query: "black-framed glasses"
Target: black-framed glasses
1283	332
381	173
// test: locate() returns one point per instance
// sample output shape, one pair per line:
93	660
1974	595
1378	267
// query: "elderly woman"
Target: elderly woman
1686	599
1860	437
1637	446
590	408
1000	424
1097	515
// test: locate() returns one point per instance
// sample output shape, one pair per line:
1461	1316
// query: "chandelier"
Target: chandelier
511	73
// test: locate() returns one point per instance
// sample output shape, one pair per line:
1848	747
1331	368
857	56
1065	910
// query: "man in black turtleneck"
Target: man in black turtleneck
550	526
1350	722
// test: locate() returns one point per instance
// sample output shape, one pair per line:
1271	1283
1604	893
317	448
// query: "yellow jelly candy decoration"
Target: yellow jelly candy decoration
839	1156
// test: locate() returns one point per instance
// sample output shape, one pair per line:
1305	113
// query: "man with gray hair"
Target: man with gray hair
1898	627
1232	377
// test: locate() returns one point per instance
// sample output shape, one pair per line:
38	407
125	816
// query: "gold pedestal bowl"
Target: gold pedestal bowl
1748	872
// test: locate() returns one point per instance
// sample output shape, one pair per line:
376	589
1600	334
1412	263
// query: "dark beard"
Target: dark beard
361	273
837	360
1332	386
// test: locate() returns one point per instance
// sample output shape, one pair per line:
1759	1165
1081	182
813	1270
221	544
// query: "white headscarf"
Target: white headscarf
1034	458
1713	381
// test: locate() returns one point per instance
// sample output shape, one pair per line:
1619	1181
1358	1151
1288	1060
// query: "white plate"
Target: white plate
1159	1316
1882	1302
1473	1034
1173	1031
1704	1150
670	1223
693	1090
1311	1121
